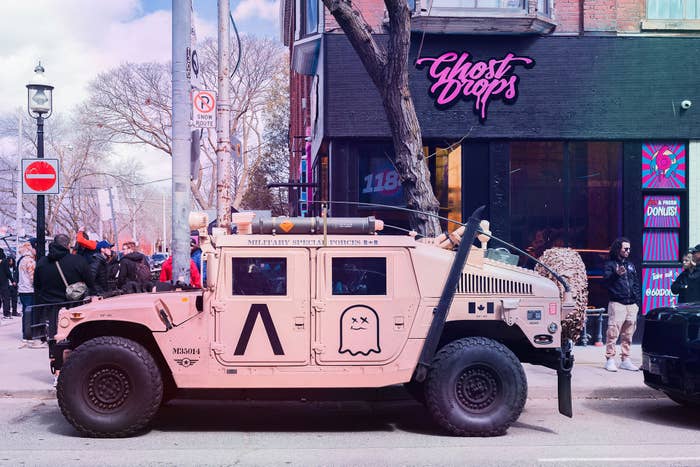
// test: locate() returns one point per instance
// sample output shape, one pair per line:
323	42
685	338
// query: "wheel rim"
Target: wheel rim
107	388
477	388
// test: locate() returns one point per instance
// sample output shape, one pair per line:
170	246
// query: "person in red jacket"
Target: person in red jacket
166	272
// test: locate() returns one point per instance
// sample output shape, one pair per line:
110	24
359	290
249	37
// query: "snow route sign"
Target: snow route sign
204	109
40	176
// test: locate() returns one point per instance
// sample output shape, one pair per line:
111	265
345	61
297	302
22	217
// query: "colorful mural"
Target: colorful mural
660	245
662	211
656	288
663	165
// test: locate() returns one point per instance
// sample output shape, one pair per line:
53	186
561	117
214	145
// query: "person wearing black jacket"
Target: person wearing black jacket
621	279
101	268
687	284
5	279
49	287
134	271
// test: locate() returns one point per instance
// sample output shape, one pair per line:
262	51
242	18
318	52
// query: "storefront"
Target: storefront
568	141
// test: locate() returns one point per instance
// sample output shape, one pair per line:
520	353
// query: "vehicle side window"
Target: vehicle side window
259	276
359	276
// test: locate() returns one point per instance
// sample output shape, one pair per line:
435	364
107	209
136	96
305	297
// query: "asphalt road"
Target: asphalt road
633	431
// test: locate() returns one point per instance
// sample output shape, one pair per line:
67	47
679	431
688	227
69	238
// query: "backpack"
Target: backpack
143	272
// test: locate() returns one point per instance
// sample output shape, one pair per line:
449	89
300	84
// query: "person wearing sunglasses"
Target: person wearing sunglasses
621	279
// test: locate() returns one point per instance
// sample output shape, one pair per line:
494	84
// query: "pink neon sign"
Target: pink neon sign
456	75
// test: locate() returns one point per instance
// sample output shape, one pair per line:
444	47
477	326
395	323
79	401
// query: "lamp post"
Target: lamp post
39	106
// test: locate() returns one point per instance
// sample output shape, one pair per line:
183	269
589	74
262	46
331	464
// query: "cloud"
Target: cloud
264	9
75	41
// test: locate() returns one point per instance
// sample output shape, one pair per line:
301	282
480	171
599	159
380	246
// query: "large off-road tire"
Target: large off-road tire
109	387
476	387
684	401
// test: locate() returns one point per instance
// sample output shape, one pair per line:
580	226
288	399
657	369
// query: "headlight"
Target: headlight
552	328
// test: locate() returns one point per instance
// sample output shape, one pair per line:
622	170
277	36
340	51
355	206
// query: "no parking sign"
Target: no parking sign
40	176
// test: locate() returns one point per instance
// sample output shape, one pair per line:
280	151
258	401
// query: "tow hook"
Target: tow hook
566	363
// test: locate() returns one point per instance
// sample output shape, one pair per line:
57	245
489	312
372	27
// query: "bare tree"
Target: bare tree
132	103
386	66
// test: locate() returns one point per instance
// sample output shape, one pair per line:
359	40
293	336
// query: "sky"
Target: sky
78	39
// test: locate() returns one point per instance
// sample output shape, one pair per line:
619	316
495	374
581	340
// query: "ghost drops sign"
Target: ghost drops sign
458	76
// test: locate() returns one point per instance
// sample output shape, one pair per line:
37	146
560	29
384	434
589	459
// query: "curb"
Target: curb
397	394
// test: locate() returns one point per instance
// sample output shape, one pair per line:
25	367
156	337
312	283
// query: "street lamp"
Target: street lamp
39	106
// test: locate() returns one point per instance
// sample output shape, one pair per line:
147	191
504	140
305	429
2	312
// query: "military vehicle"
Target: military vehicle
321	303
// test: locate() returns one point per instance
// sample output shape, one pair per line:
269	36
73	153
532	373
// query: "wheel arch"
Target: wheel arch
129	330
510	336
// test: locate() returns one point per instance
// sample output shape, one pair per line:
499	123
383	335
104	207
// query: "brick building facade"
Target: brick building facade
598	128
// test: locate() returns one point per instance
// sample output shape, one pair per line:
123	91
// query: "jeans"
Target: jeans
27	300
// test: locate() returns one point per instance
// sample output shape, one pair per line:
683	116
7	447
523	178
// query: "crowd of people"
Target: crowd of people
71	273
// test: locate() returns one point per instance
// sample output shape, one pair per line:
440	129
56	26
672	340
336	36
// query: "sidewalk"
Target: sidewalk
26	374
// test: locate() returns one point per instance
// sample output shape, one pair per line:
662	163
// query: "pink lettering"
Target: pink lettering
456	76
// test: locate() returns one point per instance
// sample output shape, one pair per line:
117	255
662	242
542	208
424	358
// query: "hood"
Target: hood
134	256
56	252
25	249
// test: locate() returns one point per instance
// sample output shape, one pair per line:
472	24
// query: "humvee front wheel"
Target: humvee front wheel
109	387
476	387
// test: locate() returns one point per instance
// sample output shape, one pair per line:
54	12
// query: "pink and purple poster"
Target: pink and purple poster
663	165
656	288
660	246
662	212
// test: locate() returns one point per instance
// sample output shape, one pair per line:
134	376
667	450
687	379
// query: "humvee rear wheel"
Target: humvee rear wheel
109	387
476	387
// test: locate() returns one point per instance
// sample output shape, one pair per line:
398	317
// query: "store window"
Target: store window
568	194
446	169
673	9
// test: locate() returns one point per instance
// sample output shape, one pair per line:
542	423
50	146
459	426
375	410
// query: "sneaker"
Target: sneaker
16	314
626	364
24	343
38	345
610	365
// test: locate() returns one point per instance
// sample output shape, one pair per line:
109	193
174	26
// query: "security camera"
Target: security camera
685	105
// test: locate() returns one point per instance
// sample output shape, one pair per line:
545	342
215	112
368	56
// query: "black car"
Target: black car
671	352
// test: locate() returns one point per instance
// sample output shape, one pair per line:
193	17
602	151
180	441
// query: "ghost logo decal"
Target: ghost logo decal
359	331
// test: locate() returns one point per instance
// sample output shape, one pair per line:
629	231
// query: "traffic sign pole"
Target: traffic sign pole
40	207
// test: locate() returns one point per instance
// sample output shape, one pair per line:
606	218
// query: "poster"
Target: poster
663	165
662	212
656	288
379	182
660	245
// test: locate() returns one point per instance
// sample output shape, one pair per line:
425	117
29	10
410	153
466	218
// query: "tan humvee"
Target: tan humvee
320	310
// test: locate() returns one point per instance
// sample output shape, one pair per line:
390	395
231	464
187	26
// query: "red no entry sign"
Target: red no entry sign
40	176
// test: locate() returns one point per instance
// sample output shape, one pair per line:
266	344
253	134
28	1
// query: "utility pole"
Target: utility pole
114	217
163	244
20	211
181	135
223	127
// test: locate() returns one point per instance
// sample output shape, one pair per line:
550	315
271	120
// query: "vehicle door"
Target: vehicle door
364	305
262	307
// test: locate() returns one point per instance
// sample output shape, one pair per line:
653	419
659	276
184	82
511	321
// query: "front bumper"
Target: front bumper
672	374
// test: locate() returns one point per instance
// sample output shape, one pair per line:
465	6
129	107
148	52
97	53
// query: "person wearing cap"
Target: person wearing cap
100	268
687	284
